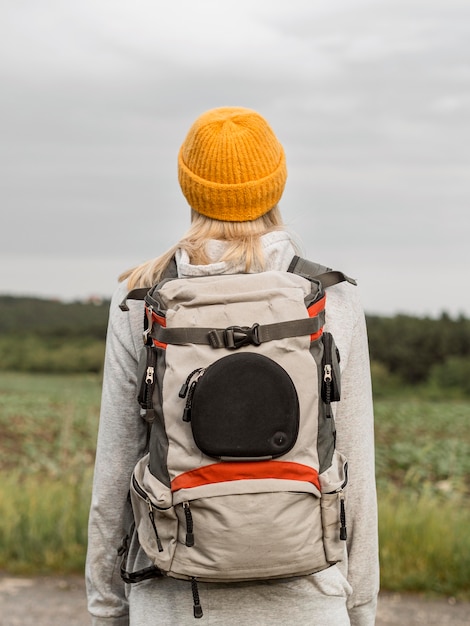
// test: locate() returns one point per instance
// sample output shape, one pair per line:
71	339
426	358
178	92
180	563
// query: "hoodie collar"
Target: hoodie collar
277	247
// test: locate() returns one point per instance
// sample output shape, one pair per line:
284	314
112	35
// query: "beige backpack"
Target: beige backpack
242	480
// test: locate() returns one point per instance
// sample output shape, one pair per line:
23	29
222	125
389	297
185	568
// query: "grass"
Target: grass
48	423
44	522
423	445
425	544
48	427
423	480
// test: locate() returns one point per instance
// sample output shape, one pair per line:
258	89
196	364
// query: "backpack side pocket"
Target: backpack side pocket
155	518
333	513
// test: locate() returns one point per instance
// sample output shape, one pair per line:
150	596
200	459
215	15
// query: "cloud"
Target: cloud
370	100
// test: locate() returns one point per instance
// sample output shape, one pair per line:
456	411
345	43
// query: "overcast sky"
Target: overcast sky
371	100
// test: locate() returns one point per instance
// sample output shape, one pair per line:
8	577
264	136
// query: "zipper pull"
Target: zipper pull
327	376
149	376
154	526
189	525
189	401
343	533
184	388
190	393
149	384
197	609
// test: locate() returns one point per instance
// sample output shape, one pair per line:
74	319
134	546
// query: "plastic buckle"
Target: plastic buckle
237	336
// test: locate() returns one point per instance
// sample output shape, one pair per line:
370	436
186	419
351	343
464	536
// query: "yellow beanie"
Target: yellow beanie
231	166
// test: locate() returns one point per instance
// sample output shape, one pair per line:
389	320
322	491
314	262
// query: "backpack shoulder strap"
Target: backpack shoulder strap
298	265
309	269
171	271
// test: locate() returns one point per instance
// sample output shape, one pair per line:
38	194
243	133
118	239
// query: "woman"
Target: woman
232	172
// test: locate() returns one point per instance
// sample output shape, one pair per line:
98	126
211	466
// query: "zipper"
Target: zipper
330	388
148	380
327	371
327	379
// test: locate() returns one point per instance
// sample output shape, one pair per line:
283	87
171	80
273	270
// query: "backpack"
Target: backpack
242	480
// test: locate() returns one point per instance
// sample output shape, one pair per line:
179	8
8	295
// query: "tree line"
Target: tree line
40	335
43	317
411	348
45	335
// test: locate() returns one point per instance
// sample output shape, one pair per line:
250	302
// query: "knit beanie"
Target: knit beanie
231	166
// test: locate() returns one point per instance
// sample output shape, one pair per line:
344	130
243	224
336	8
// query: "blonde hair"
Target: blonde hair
243	246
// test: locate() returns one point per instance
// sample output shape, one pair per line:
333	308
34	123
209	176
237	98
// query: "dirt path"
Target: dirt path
61	602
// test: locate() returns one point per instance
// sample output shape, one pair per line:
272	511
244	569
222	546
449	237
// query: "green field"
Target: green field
48	426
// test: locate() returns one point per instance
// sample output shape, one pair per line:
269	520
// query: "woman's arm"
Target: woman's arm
355	439
121	442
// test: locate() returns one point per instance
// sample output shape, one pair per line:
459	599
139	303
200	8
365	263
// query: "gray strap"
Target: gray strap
303	267
135	294
235	337
326	276
333	277
170	272
298	265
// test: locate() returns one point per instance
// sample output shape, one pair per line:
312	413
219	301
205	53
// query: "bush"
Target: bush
383	382
34	353
452	375
410	346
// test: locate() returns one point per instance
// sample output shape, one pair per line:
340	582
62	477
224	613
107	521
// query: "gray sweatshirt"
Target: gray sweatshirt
316	599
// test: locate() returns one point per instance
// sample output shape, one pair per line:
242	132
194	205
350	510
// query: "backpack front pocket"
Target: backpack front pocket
243	406
275	534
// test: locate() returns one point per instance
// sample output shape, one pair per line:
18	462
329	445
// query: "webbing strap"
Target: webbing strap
137	576
135	294
298	265
171	271
236	336
333	277
326	276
